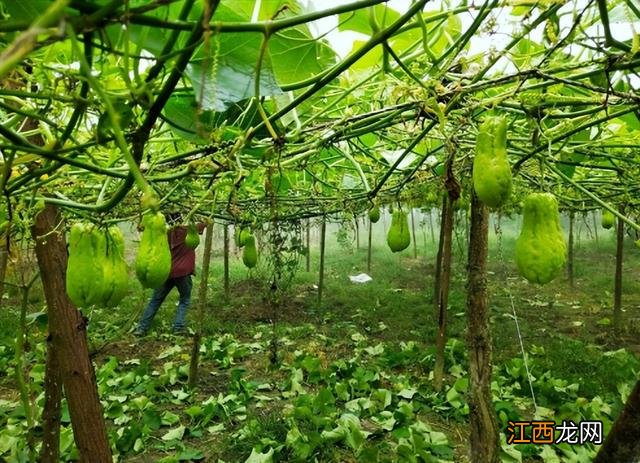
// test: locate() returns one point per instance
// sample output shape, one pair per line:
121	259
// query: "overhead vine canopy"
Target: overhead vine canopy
237	106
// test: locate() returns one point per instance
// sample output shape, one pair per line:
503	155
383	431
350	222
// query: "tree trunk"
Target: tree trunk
483	437
323	232
413	233
595	225
617	293
369	248
202	302
67	331
570	256
50	450
225	256
442	297
623	442
357	234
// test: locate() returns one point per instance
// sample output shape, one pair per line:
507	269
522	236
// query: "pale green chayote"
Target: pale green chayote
540	248
116	276
399	237
85	274
153	262
491	169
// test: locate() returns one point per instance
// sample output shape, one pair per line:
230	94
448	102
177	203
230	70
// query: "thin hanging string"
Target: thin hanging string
498	230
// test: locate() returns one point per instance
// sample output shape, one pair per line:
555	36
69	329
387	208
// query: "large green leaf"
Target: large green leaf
361	20
24	10
232	80
151	39
181	112
444	34
525	53
296	55
581	138
441	35
259	457
269	9
371	59
187	122
631	120
223	71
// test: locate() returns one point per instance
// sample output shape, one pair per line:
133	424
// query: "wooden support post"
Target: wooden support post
441	299
308	256
202	302
323	232
369	247
357	234
225	257
433	235
570	253
413	233
4	257
617	292
438	269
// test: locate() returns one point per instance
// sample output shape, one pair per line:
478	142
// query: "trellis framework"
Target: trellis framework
236	110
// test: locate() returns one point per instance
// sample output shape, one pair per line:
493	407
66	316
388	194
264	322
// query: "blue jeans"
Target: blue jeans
184	288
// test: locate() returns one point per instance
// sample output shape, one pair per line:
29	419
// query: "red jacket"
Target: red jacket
183	259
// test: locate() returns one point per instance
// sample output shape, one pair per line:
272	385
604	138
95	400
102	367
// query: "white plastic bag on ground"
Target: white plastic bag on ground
361	278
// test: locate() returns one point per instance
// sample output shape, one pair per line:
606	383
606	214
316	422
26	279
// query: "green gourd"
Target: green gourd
116	276
491	170
245	234
249	253
398	236
240	235
85	274
608	219
153	262
192	240
540	248
374	214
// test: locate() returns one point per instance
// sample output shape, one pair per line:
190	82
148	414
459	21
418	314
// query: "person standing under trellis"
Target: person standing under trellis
183	265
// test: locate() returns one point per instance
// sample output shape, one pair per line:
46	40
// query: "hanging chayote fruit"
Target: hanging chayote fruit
540	248
491	170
